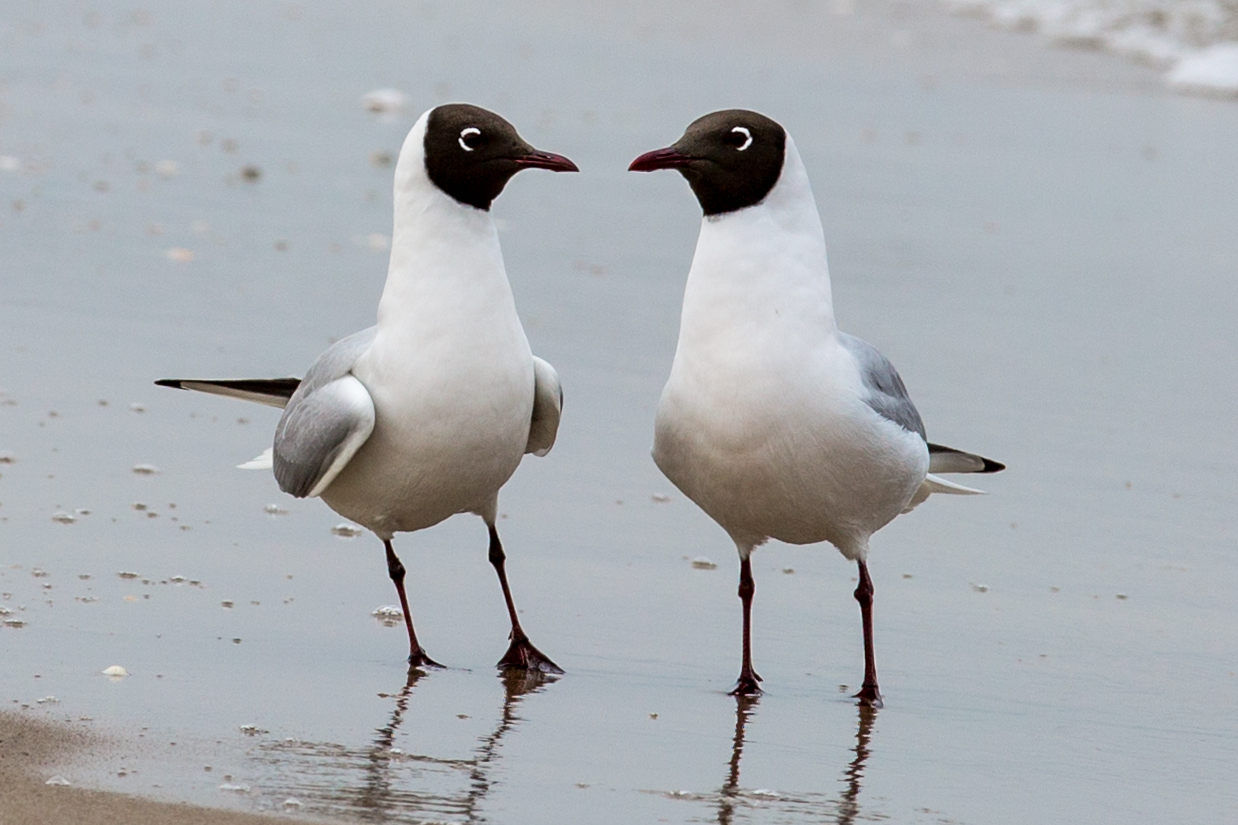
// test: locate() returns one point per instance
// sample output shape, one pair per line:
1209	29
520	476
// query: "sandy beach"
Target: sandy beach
29	751
1036	231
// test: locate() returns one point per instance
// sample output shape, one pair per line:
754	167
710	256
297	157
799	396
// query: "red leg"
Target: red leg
748	678
869	694
521	654
416	654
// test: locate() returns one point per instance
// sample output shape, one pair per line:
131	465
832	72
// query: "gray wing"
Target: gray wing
326	421
547	408
886	393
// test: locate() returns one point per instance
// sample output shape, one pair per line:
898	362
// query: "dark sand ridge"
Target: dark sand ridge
27	745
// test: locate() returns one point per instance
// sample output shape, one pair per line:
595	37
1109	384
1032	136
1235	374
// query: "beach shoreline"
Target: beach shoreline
33	750
1036	234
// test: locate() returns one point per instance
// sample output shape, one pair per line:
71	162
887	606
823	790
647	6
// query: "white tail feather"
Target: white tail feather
934	484
262	462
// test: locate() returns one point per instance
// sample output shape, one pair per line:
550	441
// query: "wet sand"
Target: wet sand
31	750
1041	240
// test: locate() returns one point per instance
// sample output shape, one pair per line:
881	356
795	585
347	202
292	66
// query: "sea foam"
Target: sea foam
1194	41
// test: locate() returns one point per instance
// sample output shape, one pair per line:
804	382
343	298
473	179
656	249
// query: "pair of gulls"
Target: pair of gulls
773	421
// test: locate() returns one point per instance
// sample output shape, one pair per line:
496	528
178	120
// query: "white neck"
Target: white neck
435	238
763	261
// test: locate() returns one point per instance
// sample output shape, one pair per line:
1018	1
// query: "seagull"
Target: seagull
773	421
427	413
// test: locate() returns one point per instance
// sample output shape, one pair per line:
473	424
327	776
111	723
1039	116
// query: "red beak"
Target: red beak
546	160
668	158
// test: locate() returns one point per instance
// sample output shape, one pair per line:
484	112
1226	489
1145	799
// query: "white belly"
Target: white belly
796	462
445	440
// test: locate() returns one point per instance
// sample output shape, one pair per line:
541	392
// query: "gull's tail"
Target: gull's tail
274	392
949	460
266	461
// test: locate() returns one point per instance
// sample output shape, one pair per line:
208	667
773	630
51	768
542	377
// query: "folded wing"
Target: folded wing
887	395
949	460
328	415
274	392
547	408
320	431
326	421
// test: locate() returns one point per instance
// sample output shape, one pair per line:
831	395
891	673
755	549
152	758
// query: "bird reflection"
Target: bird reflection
744	706
382	783
843	810
849	802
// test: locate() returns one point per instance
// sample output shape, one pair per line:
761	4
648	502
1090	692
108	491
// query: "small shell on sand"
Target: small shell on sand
388	615
115	671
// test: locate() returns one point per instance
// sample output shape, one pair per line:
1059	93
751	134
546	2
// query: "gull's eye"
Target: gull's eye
740	138
470	138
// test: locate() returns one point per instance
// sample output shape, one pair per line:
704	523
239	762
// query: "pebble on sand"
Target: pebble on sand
389	615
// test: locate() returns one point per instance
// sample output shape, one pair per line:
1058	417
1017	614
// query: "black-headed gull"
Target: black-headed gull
773	421
429	412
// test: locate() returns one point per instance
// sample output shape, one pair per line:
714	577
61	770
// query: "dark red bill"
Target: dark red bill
546	160
668	158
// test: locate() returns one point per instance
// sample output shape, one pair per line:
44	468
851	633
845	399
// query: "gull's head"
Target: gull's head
731	159
471	153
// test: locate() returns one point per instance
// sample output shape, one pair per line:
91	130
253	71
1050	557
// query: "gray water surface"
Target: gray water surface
1041	240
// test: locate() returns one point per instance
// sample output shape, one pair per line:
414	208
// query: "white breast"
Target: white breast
762	422
450	370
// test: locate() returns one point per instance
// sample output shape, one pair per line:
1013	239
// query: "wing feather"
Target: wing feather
887	395
949	460
319	433
274	392
326	421
547	408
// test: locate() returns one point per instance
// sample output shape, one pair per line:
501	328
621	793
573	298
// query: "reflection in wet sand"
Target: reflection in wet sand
849	802
732	800
744	705
382	783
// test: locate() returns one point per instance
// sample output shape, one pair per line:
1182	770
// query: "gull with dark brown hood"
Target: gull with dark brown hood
429	412
776	423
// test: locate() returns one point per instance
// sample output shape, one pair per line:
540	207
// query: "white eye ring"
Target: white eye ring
473	130
747	137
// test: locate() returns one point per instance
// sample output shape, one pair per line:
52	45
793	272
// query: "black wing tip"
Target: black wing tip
274	387
991	466
988	466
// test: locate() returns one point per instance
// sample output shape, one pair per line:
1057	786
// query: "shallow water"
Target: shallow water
1040	240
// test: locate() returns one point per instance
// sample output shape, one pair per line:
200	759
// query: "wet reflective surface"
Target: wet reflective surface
383	783
1042	242
734	802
